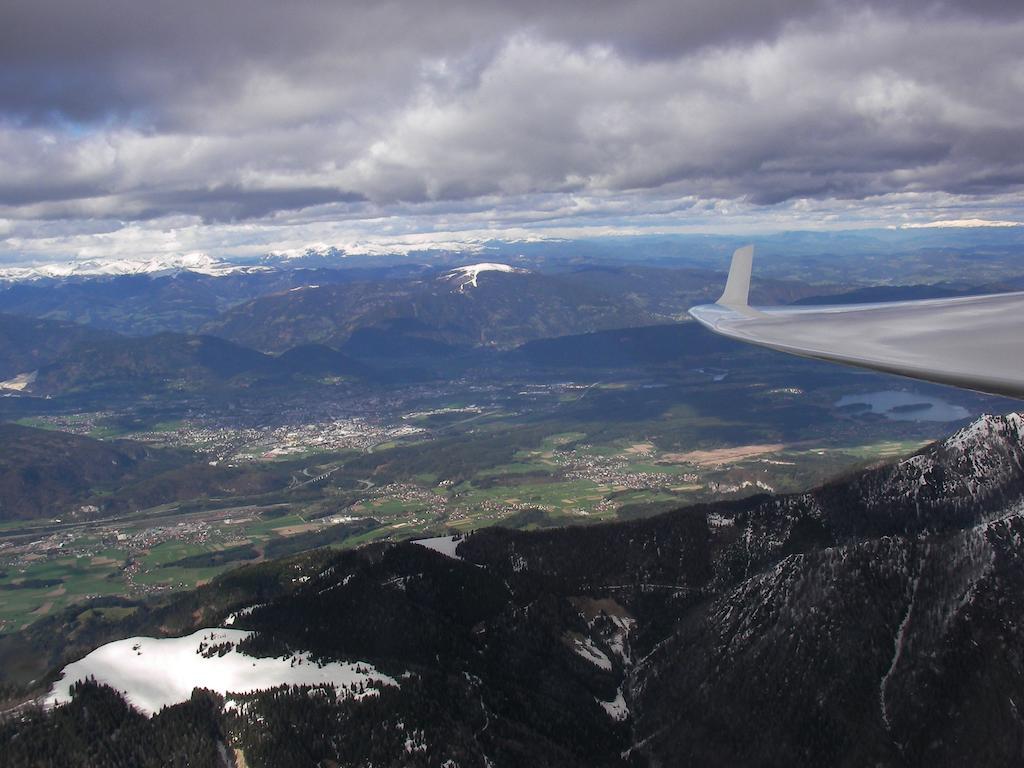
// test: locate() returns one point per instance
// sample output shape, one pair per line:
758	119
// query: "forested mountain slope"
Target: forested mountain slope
876	620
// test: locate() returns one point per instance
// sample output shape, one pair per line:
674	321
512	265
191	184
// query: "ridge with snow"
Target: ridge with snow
973	464
469	274
199	263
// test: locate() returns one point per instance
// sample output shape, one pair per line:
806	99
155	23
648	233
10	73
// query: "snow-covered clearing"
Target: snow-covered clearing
156	672
617	708
231	618
444	544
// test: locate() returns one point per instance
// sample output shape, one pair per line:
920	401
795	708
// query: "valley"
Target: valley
512	444
592	477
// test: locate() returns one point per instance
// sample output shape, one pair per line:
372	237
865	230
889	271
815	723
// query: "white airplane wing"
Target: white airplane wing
974	342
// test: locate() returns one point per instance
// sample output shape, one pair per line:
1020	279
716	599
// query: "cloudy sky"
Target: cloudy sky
226	127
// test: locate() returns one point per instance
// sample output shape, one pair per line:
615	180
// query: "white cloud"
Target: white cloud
388	124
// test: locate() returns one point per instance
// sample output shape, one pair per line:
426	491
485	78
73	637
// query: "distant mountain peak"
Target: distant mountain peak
200	263
467	275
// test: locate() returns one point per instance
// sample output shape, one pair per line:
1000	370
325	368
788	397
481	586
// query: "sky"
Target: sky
139	129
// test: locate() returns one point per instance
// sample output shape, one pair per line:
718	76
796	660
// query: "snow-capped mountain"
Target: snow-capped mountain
161	265
972	464
979	468
468	275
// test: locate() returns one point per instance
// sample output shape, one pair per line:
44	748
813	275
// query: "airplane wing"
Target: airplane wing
974	342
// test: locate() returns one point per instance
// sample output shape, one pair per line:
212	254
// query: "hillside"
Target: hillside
27	343
653	345
874	620
470	307
141	305
132	362
502	309
44	473
43	357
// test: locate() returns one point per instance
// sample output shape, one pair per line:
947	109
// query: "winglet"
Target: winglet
737	287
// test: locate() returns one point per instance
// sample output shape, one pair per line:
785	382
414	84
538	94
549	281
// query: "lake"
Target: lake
905	406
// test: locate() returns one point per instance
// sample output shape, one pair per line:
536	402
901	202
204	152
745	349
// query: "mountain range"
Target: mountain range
874	620
301	301
145	304
68	336
48	357
482	305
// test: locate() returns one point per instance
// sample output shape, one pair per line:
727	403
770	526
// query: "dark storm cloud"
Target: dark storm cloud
86	59
229	111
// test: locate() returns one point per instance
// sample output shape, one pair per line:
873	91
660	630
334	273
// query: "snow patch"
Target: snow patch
585	647
415	743
152	673
898	644
617	708
618	641
233	617
445	545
